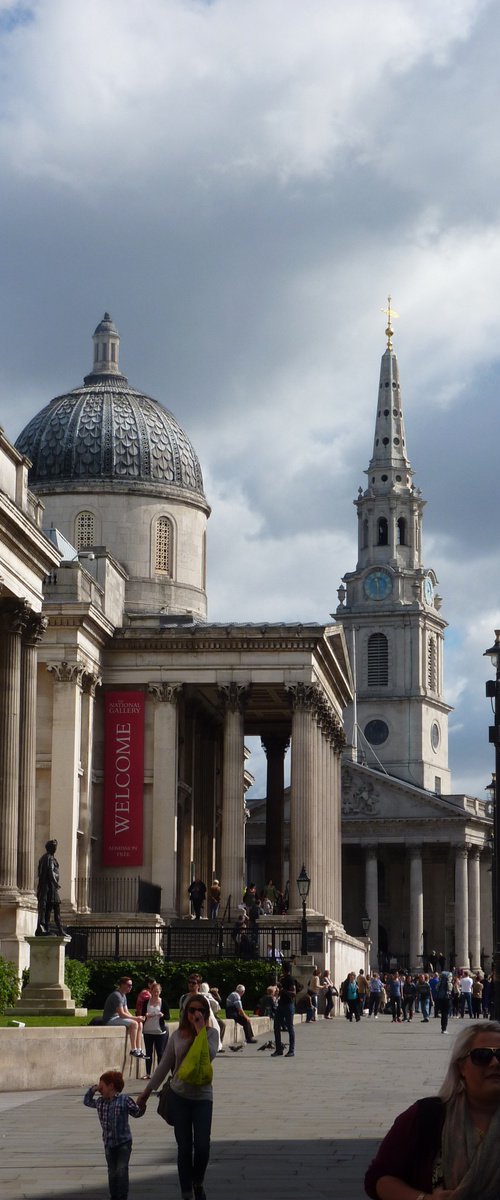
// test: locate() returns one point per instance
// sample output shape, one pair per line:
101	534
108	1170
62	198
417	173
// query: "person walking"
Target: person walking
466	994
155	1030
424	992
409	997
395	995
351	997
197	891
192	1104
329	992
285	1010
314	988
477	996
214	899
114	1108
363	990
443	997
375	995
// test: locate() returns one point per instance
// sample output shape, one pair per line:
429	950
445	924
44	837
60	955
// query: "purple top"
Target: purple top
409	1150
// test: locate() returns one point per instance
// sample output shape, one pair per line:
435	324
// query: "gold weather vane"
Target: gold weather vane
390	313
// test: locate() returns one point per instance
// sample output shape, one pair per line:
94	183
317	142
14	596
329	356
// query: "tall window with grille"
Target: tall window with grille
85	530
378	660
432	665
163	546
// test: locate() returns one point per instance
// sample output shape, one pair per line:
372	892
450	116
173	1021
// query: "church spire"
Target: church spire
389	467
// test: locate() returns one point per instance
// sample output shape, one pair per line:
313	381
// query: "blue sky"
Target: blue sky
242	185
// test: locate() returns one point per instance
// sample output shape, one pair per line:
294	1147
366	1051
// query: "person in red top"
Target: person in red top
447	1146
143	997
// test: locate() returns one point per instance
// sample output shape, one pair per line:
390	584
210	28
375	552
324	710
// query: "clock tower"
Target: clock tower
390	612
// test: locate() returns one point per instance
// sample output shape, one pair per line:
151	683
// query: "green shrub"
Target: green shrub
223	973
76	977
9	984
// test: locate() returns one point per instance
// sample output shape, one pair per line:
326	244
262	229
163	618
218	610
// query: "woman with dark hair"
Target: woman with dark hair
448	1145
192	1104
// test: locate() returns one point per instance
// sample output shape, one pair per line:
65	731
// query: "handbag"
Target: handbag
196	1067
165	1106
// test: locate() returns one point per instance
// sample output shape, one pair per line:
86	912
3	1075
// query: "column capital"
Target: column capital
274	741
90	681
415	850
34	629
371	850
66	672
233	696
302	695
165	693
461	850
14	615
474	852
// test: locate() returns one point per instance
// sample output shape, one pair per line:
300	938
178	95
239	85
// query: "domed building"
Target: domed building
104	446
143	705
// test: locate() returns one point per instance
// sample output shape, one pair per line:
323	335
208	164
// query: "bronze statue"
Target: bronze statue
48	892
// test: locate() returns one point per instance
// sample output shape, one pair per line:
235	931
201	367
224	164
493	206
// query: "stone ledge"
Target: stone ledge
34	1059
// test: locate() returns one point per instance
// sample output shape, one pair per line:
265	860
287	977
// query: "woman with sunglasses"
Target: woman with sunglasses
448	1145
192	1106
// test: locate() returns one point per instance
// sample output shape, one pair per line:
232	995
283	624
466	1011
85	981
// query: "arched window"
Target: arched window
163	546
401	531
432	665
365	535
378	660
84	530
382	531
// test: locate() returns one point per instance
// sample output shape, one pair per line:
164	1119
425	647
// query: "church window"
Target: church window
398	478
84	530
382	532
163	546
396	441
394	412
432	665
384	478
385	441
435	736
365	535
378	660
401	531
437	785
376	732
386	412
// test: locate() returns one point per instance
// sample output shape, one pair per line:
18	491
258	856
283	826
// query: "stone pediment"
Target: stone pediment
374	795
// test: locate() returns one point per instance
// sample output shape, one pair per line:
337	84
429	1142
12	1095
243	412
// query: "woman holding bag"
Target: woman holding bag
188	1056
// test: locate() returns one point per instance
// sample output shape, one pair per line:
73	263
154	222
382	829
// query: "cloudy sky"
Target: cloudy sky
241	183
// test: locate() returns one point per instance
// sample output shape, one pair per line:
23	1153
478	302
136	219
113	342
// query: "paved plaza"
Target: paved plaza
284	1129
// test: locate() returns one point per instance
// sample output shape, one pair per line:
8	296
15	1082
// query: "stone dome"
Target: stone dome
107	432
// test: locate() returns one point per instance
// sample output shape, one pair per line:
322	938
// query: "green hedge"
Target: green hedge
9	984
223	973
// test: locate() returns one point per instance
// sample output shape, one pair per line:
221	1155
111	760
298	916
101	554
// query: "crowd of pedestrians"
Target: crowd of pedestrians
402	995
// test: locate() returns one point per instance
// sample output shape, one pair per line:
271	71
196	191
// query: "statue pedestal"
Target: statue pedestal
46	993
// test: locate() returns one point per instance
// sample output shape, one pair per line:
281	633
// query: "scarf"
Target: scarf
471	1164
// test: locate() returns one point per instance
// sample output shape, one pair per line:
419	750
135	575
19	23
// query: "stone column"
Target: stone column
371	898
32	635
64	784
13	617
233	792
474	908
302	827
416	909
165	787
461	909
90	681
275	747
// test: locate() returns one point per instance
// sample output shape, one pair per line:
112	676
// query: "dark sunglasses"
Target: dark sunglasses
483	1055
201	1010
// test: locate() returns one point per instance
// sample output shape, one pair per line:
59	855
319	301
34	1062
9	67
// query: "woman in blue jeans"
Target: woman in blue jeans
192	1106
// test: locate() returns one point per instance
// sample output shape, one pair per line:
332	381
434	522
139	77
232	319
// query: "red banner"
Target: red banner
123	779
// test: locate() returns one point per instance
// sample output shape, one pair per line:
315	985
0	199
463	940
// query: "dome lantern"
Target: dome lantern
106	341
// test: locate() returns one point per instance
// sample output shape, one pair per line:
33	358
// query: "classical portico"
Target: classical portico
420	866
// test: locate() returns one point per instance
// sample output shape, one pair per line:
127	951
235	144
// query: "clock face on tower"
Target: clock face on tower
377	585
428	590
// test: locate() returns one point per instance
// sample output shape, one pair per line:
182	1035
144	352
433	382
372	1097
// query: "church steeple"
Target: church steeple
390	610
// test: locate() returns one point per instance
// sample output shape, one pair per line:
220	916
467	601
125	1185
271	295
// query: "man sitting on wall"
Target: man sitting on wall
116	1012
235	1011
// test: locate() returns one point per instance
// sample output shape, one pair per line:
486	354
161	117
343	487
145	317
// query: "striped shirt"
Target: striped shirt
113	1115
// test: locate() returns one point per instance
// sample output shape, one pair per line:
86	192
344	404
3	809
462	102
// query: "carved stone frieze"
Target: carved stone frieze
165	693
66	672
233	696
360	799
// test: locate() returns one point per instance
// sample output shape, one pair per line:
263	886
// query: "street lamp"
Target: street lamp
303	884
366	922
493	692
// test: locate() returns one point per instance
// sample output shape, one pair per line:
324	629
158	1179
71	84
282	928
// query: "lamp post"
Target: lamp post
493	692
303	884
366	922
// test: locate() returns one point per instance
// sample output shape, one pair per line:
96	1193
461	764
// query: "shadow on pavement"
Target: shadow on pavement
251	1169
